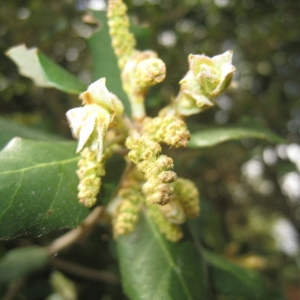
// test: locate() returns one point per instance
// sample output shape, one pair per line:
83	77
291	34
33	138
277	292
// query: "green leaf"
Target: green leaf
209	137
233	282
105	61
38	188
21	262
10	129
154	268
45	73
63	287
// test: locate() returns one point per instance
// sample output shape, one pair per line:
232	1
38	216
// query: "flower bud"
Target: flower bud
187	194
89	123
213	74
206	79
170	130
142	149
149	72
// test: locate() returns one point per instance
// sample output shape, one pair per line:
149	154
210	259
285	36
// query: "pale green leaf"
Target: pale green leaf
21	262
45	73
211	136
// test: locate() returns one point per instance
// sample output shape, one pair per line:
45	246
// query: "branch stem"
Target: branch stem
76	234
84	272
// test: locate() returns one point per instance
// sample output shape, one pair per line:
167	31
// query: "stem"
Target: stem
14	289
138	109
87	273
76	234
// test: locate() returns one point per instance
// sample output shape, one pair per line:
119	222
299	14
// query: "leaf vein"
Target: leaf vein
41	165
18	187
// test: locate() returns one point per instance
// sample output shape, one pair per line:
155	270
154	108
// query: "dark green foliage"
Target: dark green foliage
265	40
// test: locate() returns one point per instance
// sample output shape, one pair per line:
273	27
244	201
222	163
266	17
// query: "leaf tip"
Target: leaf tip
12	142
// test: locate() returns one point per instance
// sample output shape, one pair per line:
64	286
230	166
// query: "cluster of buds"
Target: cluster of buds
169	129
143	70
89	173
126	213
145	153
150	182
184	203
187	196
140	69
123	40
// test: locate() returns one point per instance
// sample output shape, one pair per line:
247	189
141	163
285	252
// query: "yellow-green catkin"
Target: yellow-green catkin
143	70
149	71
171	231
127	211
188	195
145	153
123	40
89	173
169	129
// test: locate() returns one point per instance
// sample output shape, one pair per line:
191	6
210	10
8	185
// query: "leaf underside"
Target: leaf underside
32	63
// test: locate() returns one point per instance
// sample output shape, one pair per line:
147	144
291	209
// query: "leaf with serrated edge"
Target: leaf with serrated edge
45	73
154	268
38	188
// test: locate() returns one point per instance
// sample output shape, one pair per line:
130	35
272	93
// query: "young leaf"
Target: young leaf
20	262
45	73
10	129
154	268
209	137
230	281
38	188
105	61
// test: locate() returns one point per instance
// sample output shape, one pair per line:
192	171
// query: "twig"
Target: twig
76	234
85	272
13	289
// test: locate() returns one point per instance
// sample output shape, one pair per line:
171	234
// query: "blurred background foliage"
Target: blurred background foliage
250	190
